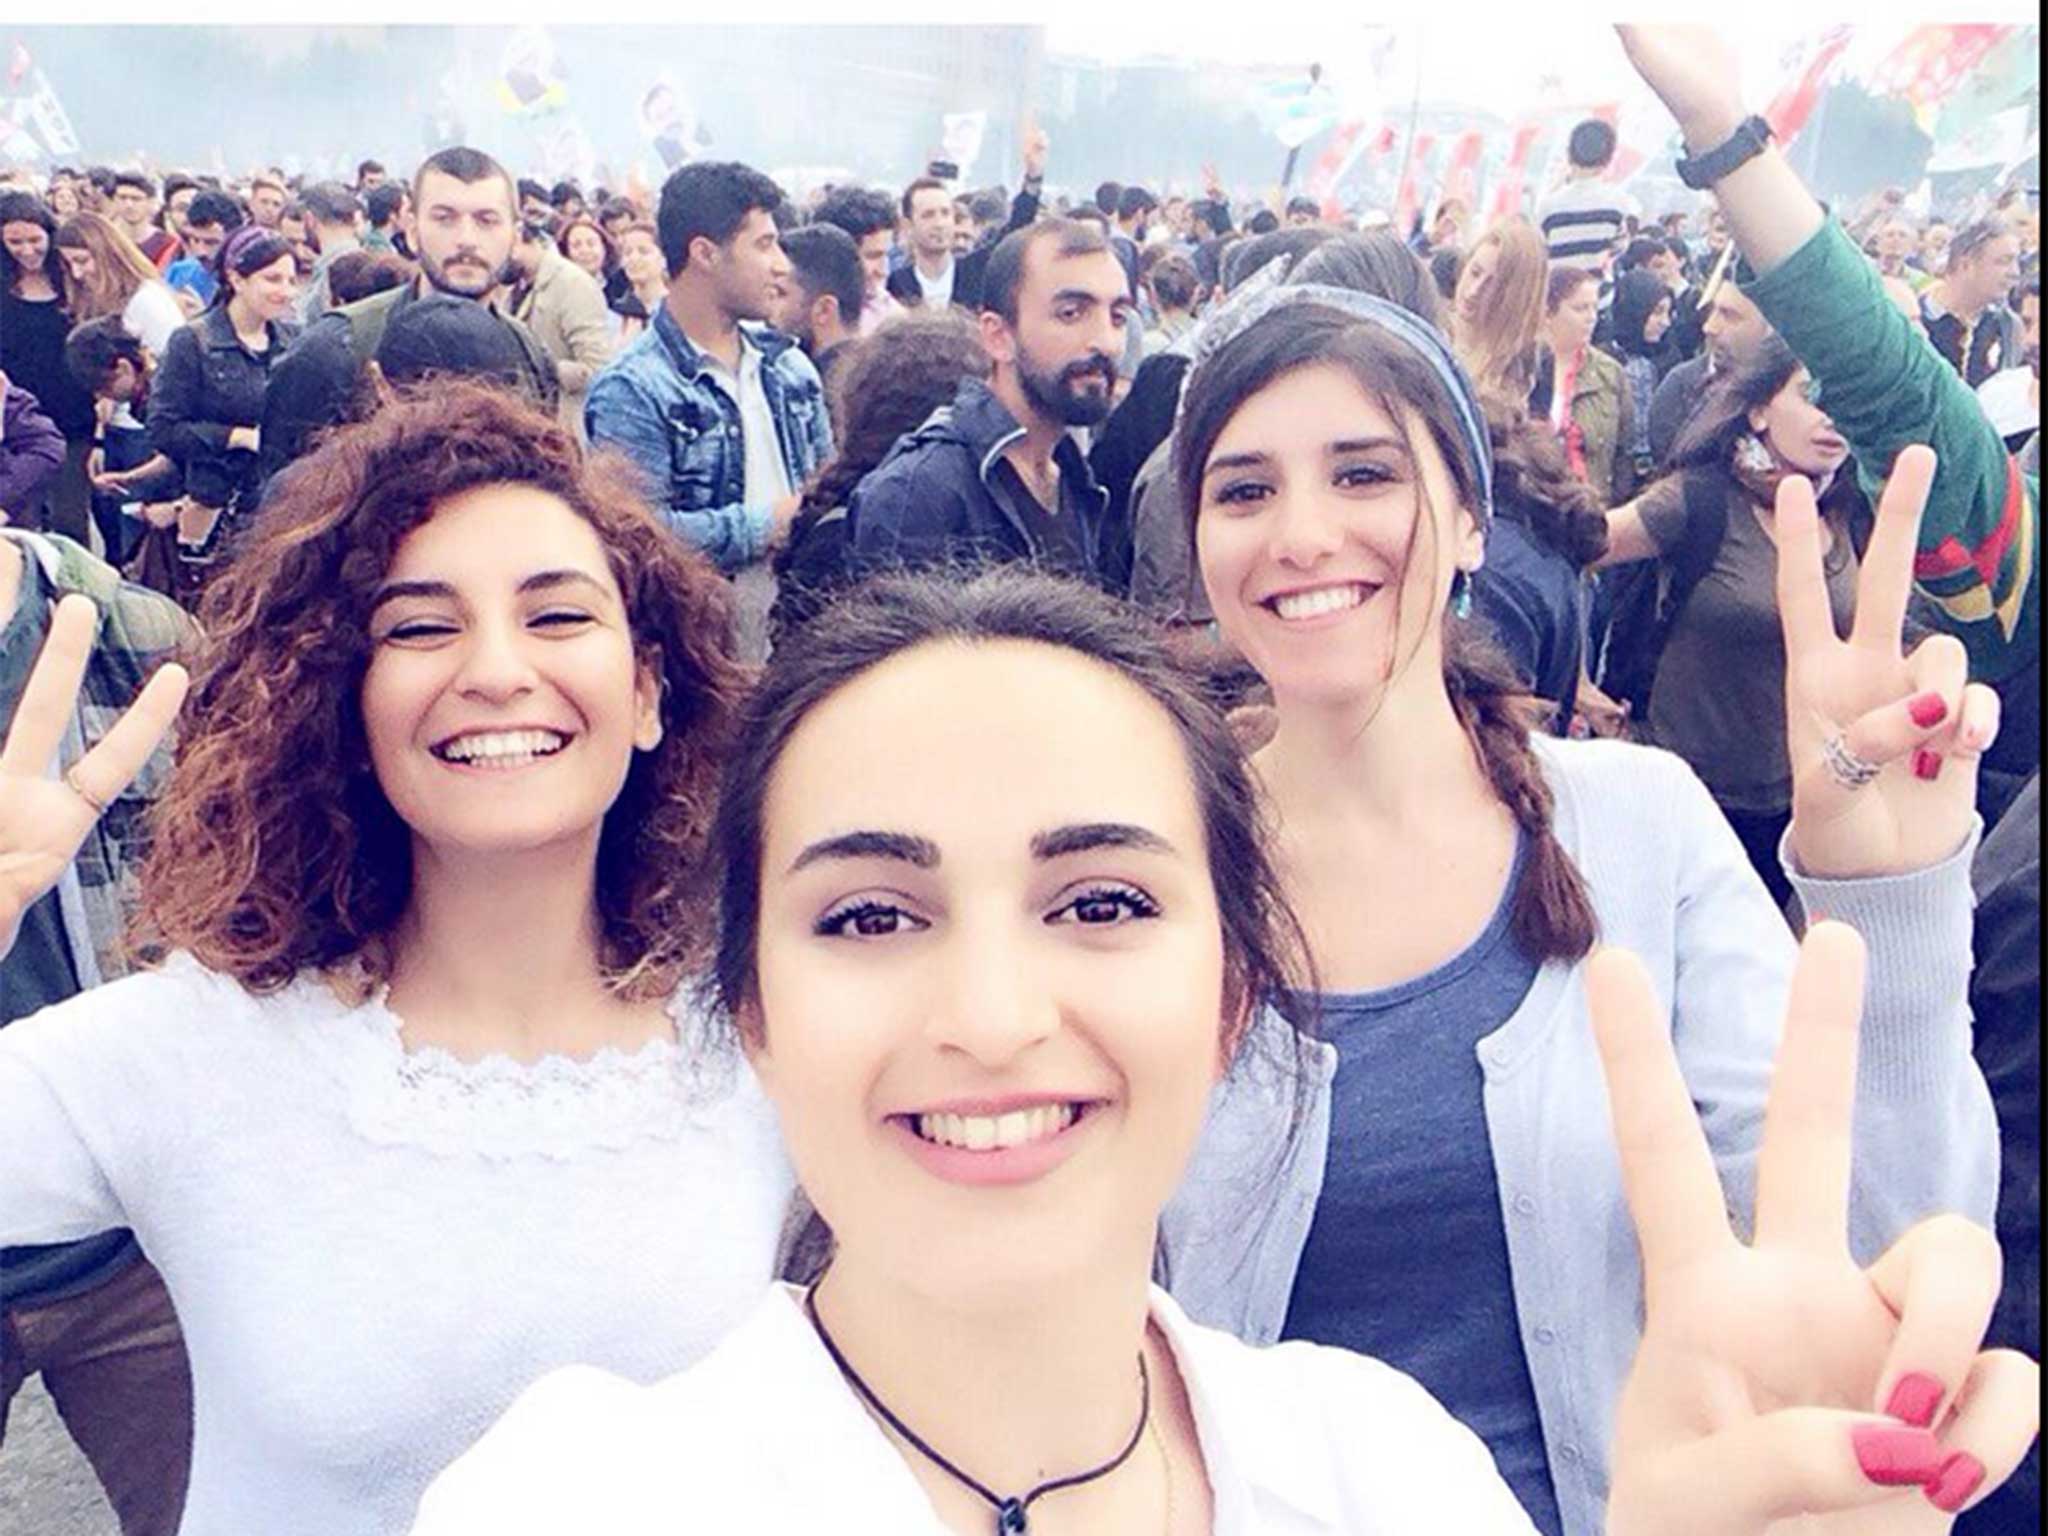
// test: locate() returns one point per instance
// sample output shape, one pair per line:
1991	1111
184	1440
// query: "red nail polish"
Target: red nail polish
1928	709
1895	1456
1914	1400
1960	1476
1926	764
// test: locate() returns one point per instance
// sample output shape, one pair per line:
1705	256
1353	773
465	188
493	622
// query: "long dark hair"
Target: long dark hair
1375	263
1636	298
1552	915
27	208
1752	380
1533	483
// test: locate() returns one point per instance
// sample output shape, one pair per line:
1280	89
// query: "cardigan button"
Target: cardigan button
1546	1335
1525	1204
1569	1452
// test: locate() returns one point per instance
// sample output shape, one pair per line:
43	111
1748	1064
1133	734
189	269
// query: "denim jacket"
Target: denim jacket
1670	882
657	403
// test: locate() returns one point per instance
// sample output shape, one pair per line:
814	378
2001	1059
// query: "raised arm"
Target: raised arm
1881	382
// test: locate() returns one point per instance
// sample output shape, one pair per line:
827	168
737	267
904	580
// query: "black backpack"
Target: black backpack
1648	596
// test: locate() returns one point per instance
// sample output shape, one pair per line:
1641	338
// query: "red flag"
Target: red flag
1507	196
18	64
1461	175
1336	157
1788	113
1406	200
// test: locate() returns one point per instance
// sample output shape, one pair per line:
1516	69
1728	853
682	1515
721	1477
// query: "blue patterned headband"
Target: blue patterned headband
1257	298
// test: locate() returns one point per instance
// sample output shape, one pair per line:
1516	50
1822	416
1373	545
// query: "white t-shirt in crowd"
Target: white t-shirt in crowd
937	291
2010	399
766	1438
373	1251
152	316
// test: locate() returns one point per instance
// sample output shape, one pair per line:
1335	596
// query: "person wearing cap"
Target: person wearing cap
466	221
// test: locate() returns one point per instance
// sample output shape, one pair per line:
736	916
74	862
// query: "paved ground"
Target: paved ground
46	1488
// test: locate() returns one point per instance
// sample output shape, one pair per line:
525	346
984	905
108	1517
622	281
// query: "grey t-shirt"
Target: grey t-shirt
1719	698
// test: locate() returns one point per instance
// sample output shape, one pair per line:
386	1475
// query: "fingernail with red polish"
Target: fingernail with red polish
1960	1476
1928	709
1914	1400
1894	1456
1926	764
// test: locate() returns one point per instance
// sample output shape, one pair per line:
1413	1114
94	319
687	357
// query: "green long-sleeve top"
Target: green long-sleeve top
1885	388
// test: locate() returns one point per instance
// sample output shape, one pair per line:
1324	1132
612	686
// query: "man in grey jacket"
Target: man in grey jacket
564	308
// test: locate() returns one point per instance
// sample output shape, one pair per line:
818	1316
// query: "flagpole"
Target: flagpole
1414	122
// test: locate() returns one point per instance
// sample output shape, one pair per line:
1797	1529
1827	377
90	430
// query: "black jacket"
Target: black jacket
205	387
968	270
314	385
946	495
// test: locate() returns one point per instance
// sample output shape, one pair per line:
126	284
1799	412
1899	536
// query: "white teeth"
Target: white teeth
500	747
990	1133
1309	605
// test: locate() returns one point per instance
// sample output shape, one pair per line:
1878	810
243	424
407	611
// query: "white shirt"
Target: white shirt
766	1438
766	484
152	317
374	1251
2008	399
937	291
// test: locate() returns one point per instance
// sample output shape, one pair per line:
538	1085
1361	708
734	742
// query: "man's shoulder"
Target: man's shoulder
641	366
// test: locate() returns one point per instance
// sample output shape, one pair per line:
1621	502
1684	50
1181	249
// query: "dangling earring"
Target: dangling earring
1461	595
1753	454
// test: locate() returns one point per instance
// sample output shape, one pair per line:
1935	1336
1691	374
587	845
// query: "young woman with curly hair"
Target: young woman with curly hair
410	1110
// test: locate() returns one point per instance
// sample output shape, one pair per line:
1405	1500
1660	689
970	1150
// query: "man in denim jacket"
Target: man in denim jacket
726	418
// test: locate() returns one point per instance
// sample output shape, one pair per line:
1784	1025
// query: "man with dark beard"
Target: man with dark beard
467	221
997	476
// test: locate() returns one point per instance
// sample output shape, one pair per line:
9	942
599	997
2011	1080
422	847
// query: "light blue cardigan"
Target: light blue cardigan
1669	881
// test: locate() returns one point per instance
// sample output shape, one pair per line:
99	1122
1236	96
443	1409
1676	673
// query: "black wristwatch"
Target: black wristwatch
1722	161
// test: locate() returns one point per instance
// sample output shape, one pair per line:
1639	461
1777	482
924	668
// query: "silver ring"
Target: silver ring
1847	769
99	806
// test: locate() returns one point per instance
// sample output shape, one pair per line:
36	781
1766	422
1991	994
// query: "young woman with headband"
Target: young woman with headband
1454	874
414	1111
997	915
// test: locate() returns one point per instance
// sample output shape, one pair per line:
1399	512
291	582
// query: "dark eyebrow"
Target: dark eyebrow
1076	296
539	581
921	852
1062	841
1348	445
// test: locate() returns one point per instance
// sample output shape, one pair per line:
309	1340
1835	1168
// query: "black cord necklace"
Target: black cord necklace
1012	1518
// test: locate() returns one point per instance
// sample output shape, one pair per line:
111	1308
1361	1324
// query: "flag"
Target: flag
1793	105
1295	110
1507	192
2002	141
1461	175
962	133
1932	62
31	115
1421	150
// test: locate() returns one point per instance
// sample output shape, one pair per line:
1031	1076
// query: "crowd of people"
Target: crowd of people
955	858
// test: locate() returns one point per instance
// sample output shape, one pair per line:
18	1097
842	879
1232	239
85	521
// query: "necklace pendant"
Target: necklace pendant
1011	1519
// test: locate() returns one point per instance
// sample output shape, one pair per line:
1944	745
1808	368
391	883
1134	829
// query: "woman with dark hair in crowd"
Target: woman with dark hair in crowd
1581	389
584	241
1455	872
1721	672
414	1108
206	403
890	385
34	320
109	275
646	273
1496	310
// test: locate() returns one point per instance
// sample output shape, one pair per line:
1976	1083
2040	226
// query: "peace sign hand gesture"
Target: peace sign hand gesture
1778	1388
1884	746
43	820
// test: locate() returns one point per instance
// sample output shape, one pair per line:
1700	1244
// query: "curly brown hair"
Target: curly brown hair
275	849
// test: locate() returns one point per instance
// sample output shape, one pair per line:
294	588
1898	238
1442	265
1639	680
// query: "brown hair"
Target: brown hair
1564	282
1498	348
611	253
1552	916
275	849
119	267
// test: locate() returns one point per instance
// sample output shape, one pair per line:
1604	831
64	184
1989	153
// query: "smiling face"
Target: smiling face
641	260
268	293
585	247
1316	555
503	703
28	244
1799	430
990	967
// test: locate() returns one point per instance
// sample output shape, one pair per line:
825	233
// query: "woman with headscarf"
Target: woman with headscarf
1639	338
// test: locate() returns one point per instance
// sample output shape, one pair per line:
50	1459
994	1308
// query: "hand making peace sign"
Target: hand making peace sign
44	820
1884	746
1778	1387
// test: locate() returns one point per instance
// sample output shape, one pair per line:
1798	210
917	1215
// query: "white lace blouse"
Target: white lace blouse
373	1251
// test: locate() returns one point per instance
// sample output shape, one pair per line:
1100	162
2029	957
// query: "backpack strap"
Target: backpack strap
1706	526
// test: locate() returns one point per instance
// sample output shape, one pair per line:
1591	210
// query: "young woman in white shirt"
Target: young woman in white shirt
997	915
414	1110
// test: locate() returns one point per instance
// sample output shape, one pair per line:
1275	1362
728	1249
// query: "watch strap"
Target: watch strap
1701	171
